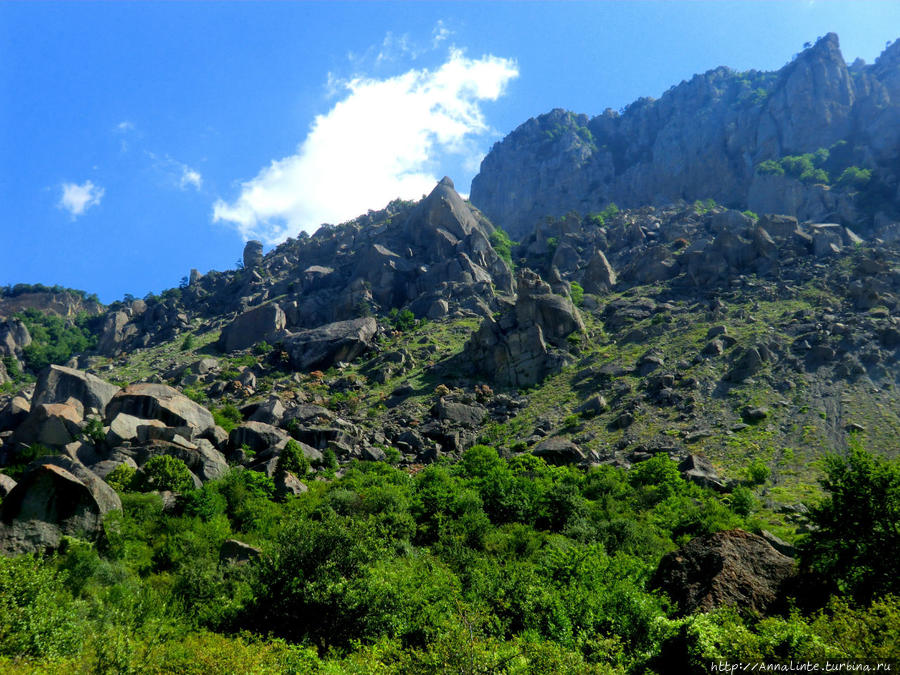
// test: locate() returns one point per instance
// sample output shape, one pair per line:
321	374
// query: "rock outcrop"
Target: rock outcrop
49	502
321	348
704	138
726	568
529	340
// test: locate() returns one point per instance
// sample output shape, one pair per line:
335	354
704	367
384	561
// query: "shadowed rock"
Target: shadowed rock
726	568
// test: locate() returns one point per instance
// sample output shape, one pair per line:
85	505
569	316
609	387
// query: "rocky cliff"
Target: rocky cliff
706	139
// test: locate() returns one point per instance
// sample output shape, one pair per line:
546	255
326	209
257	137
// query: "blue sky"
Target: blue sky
139	140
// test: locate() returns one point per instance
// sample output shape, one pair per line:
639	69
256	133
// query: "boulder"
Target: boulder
150	401
50	502
700	470
6	485
459	414
559	451
257	436
320	348
726	568
124	428
270	411
253	254
599	276
260	323
52	424
14	413
14	337
234	552
57	384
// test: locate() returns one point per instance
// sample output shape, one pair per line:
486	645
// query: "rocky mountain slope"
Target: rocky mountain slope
710	138
625	390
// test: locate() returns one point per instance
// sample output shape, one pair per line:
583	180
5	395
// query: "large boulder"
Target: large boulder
253	254
559	451
151	401
14	337
599	276
50	502
322	347
257	436
57	384
255	325
726	568
529	340
51	424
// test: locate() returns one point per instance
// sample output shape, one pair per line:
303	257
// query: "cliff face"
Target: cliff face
705	138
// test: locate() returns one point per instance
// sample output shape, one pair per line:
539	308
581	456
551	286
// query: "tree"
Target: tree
856	540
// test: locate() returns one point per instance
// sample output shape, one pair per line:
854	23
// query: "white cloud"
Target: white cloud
124	126
378	143
76	199
440	33
190	178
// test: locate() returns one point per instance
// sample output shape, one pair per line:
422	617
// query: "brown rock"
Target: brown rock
726	568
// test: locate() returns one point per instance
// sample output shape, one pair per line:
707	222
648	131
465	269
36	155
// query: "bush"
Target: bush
292	460
121	479
577	293
188	343
402	320
38	616
855	544
227	417
502	245
165	472
757	472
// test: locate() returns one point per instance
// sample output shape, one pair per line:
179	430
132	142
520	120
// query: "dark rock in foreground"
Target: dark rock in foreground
726	568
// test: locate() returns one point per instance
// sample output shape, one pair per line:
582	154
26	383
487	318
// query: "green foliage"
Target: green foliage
577	293
402	320
165	472
503	245
855	544
122	478
228	416
188	343
93	431
292	460
758	472
262	348
854	177
751	215
38	616
742	501
54	340
193	393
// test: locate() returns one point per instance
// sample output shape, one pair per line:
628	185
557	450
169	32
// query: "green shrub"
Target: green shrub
854	177
188	343
261	348
855	544
54	339
577	293
38	615
165	472
757	472
502	245
228	416
93	431
402	320
121	479
292	460
742	501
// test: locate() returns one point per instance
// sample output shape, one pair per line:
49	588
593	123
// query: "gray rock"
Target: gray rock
51	424
700	470
57	384
234	552
559	451
14	413
459	414
599	276
160	402
6	485
253	254
320	348
257	436
261	323
49	502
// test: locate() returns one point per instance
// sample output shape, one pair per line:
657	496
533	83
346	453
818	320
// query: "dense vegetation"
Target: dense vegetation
488	565
54	339
825	166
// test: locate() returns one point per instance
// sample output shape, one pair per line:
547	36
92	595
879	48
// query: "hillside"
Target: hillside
632	440
739	138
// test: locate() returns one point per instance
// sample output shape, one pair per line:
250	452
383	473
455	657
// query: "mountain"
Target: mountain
636	439
722	135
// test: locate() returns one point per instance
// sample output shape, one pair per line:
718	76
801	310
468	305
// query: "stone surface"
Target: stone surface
160	402
559	451
320	348
732	568
49	502
56	384
253	326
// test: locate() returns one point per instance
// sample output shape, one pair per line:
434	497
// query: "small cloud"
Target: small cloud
377	143
440	33
76	199
190	178
124	126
